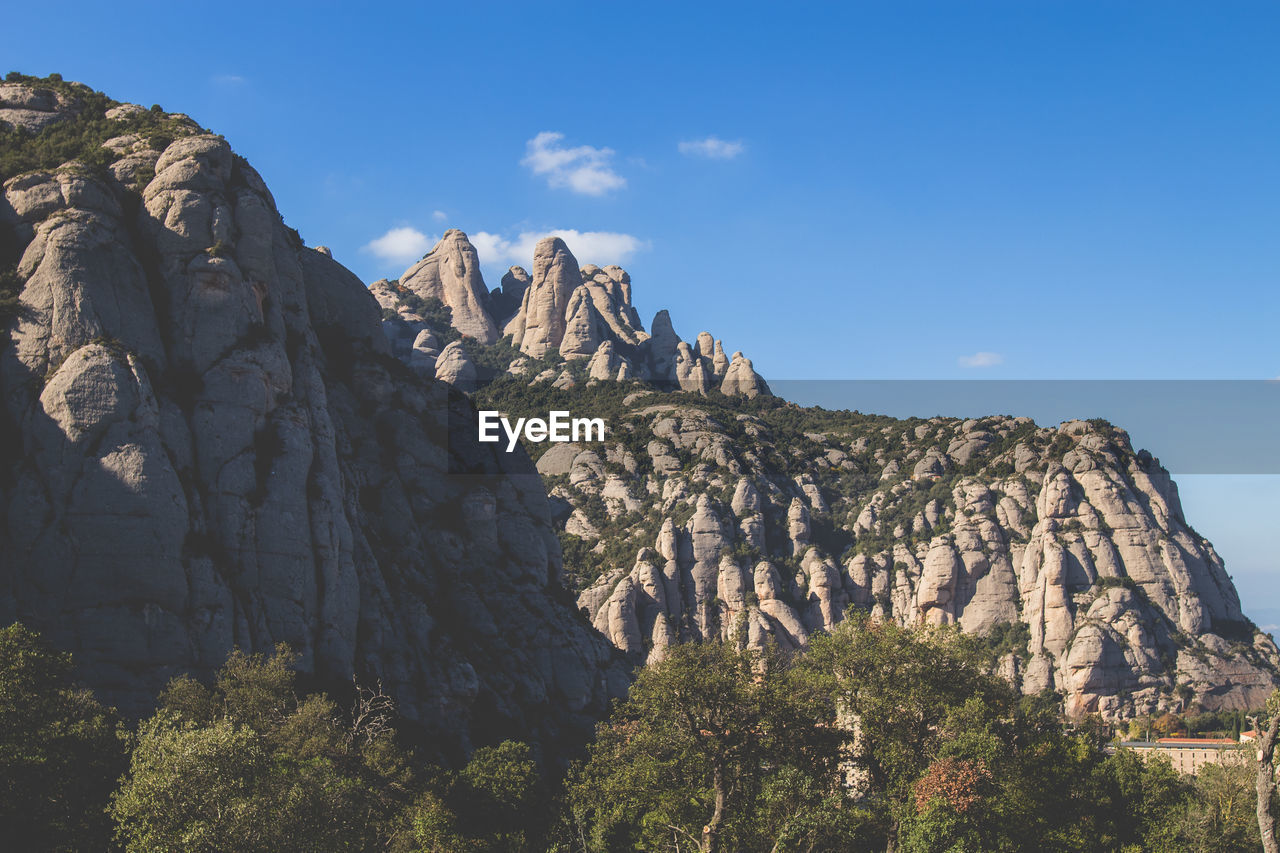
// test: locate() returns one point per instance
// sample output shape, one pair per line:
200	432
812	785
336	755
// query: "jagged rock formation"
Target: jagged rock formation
211	438
506	299
454	366
740	377
663	346
208	444
1064	545
610	292
450	272
35	108
539	326
575	313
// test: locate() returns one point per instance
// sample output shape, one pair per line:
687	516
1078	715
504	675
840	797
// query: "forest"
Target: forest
878	738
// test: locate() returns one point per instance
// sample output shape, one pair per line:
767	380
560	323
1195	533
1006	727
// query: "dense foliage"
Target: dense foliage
249	765
437	316
60	751
879	738
80	136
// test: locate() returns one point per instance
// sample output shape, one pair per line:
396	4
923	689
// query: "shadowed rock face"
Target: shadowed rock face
208	445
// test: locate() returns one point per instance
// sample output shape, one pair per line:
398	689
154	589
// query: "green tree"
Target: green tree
1136	803
60	751
247	766
714	749
1221	815
955	758
497	803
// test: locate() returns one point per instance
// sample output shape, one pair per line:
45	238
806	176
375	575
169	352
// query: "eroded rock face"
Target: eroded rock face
451	273
690	371
34	108
662	347
454	366
539	326
610	293
585	329
209	446
505	301
740	377
1064	536
576	313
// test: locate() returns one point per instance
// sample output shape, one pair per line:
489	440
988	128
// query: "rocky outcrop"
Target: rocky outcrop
209	445
1063	545
562	310
454	366
606	364
573	310
610	292
740	377
585	330
33	108
539	326
662	348
505	300
719	362
425	352
690	371
450	272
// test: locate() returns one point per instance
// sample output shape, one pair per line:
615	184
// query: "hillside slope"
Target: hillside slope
722	512
758	521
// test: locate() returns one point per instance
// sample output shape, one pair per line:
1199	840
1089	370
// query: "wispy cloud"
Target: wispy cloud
589	247
583	169
712	148
402	245
229	79
981	359
439	215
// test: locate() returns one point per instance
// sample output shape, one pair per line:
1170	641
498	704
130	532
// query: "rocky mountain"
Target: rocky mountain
566	313
215	436
764	522
208	443
1063	545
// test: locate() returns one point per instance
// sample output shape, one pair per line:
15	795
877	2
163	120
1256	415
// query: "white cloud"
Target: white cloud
439	215
981	359
229	79
399	245
712	148
583	169
589	247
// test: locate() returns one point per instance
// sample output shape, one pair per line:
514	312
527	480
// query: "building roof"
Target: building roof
1181	743
1197	741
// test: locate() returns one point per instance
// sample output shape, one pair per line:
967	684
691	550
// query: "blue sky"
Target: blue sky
939	190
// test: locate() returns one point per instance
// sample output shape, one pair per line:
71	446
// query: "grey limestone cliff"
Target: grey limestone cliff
208	445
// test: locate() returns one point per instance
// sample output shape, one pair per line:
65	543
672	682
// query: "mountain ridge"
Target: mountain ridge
216	436
211	446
